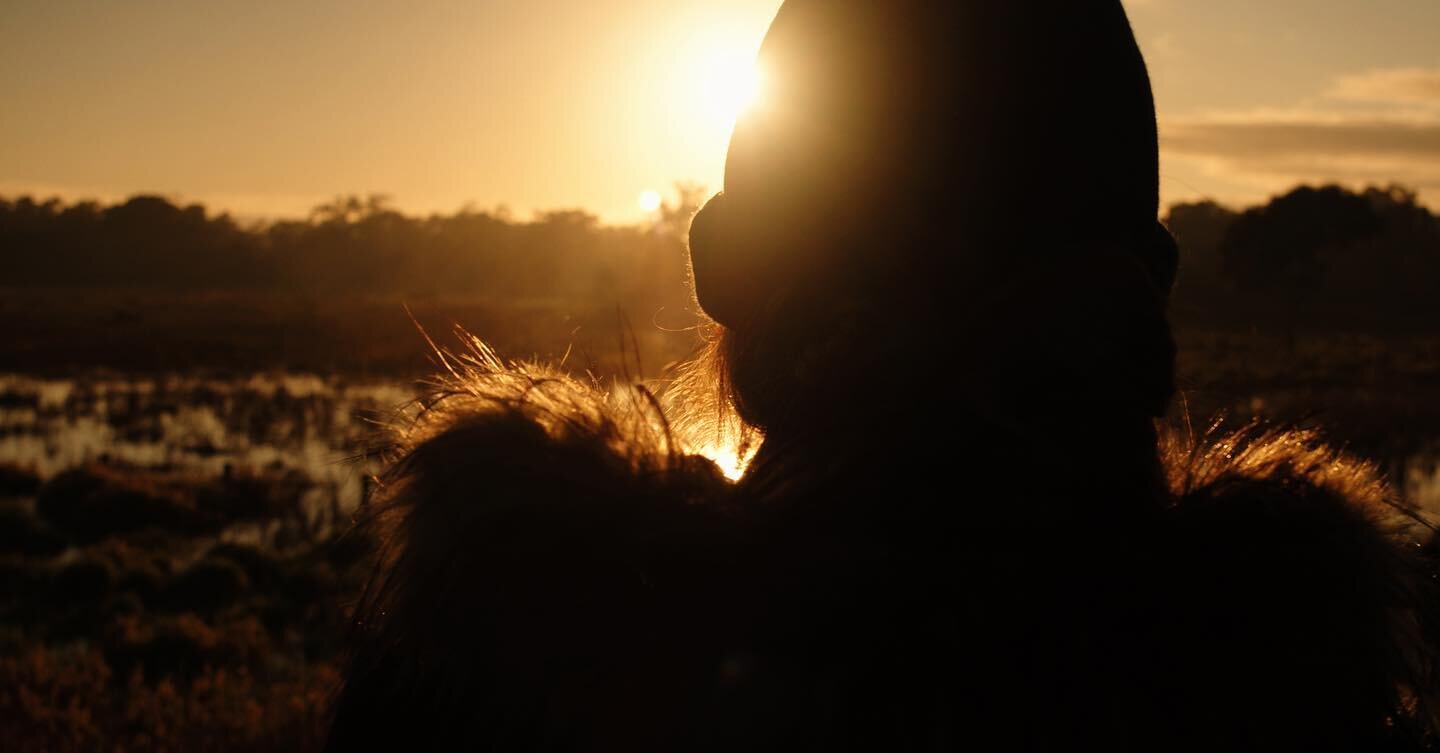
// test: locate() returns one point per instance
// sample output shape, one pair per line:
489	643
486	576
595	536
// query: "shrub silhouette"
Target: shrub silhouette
177	647
21	586
86	580
94	502
76	702
241	497
1279	246
144	581
17	482
22	534
263	571
208	585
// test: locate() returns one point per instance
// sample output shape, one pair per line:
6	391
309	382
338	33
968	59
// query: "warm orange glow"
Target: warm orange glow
716	80
271	110
650	200
728	460
727	83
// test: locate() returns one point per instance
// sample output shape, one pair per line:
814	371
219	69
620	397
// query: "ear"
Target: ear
1162	259
725	288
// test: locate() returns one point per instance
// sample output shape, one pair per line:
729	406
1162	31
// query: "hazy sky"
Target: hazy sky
266	107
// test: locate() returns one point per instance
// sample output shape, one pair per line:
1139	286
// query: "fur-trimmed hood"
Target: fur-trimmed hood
557	572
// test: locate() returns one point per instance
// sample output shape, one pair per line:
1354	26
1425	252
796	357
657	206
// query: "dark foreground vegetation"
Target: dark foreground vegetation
183	393
137	617
175	561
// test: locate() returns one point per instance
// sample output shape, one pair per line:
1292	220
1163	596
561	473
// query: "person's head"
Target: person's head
969	180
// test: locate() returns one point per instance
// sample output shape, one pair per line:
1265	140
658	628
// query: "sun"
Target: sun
650	200
691	88
730	81
723	82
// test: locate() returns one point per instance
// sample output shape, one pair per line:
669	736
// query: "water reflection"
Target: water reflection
1421	473
198	427
277	423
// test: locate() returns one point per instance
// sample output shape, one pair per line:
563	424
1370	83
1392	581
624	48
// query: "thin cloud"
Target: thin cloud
1272	153
1269	138
1394	137
1402	86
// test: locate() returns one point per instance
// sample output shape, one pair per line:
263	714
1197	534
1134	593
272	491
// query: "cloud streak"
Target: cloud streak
1395	139
1380	139
1404	86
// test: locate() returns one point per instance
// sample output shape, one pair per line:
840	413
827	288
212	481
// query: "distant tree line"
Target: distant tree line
1325	256
353	245
1316	257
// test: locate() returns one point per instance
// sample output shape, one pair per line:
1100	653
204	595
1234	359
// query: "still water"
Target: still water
273	423
201	428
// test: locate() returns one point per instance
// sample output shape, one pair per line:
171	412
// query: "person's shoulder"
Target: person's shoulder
538	536
1296	587
1286	498
496	441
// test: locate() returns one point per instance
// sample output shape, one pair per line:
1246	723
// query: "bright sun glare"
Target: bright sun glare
713	84
720	81
728	459
730	83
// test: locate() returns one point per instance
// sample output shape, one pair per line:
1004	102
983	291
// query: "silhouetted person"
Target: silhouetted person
961	529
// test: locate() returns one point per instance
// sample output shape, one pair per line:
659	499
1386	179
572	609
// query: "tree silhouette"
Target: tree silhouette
1314	254
1280	249
675	217
1199	228
1280	246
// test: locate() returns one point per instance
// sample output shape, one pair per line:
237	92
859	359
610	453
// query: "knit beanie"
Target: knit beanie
922	142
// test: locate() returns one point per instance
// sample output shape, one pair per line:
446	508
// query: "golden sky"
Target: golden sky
265	108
